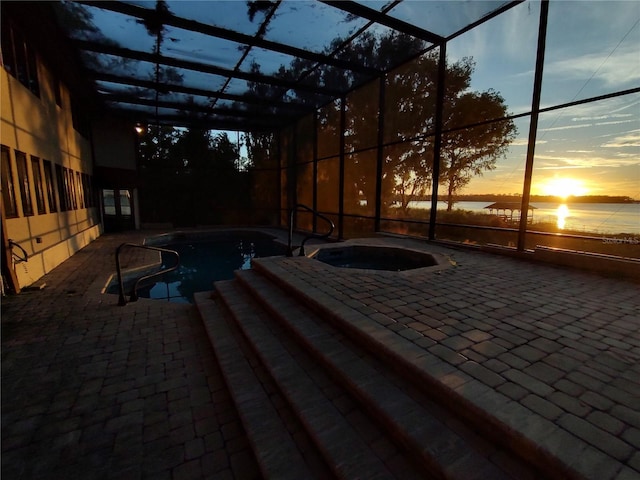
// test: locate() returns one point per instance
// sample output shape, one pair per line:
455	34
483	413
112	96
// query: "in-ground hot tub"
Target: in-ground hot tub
380	257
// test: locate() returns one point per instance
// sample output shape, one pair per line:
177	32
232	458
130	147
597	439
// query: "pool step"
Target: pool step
428	441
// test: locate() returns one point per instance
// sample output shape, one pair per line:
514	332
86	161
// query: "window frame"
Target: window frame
71	187
78	188
25	183
19	58
36	171
9	199
62	191
48	179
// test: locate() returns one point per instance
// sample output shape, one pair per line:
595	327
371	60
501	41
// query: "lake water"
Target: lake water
599	218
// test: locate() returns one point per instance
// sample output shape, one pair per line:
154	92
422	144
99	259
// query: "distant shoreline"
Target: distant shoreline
536	198
608	218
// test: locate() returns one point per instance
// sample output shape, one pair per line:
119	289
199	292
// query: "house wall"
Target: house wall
115	160
114	144
38	127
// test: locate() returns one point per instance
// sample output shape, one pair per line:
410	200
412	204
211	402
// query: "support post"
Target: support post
314	226
380	156
533	126
278	146
343	116
437	143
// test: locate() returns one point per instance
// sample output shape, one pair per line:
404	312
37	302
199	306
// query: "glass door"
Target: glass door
117	209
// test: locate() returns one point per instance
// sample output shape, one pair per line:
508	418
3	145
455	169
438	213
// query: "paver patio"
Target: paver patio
93	390
519	340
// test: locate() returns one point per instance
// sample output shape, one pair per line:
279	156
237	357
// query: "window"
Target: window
109	202
71	189
25	186
48	178
8	58
37	183
67	189
125	202
8	190
86	190
79	189
19	58
62	191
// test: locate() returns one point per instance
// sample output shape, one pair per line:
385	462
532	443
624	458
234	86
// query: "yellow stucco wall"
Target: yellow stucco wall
37	126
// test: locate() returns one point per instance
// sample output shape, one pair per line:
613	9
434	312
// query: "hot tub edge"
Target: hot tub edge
440	261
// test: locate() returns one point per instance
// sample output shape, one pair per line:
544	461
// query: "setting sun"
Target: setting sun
564	187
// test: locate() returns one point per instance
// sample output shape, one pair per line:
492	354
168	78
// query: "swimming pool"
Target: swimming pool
204	259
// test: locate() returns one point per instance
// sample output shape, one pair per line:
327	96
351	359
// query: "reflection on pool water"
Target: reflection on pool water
204	260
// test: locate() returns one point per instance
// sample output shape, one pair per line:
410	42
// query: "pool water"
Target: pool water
204	261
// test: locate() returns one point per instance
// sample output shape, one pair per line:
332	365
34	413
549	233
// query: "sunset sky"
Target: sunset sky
593	48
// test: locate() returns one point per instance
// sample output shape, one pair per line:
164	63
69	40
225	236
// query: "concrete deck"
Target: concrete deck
93	390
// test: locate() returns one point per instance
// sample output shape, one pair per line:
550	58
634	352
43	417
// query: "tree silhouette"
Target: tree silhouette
410	102
190	176
486	136
155	146
476	132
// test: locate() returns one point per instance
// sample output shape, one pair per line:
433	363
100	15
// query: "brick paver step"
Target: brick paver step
441	450
449	378
73	361
275	449
346	449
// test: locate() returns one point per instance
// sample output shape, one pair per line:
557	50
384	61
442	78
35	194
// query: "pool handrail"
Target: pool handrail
134	292
25	255
292	212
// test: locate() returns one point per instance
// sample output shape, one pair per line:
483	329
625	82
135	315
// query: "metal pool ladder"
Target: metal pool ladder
292	212
134	291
